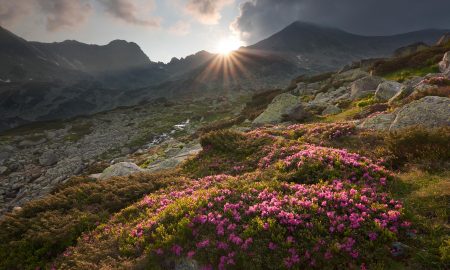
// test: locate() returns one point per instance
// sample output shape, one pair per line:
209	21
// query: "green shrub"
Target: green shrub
424	146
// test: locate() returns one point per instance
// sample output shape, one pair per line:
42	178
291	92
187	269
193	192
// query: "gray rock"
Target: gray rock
297	114
280	106
378	122
29	143
404	92
176	160
331	110
429	111
120	169
386	90
48	158
444	65
3	169
364	86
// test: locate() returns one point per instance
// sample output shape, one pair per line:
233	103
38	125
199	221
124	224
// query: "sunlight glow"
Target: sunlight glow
228	45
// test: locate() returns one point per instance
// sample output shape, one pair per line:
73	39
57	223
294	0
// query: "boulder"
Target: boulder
174	161
281	105
297	114
386	90
430	111
30	143
120	169
48	158
364	86
444	65
404	92
378	122
331	110
444	40
3	169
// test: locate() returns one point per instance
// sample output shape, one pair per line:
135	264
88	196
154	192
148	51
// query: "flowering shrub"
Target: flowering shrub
317	133
310	163
223	222
282	226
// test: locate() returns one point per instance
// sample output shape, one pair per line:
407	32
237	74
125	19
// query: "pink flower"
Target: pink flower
272	246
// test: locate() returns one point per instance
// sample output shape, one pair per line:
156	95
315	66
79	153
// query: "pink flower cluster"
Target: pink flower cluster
318	216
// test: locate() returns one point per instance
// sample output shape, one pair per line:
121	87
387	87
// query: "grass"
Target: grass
78	131
426	197
407	73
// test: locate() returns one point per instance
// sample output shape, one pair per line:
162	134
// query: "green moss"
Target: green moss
404	74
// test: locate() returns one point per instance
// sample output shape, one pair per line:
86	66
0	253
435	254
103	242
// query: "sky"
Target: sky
177	28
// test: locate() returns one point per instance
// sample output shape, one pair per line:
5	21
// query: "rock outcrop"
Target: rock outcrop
386	90
429	111
444	65
120	169
365	86
280	106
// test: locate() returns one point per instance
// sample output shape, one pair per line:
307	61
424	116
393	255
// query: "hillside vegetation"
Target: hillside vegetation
357	185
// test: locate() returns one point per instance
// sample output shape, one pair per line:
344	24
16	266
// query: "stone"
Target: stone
48	158
297	114
29	143
364	86
444	65
386	90
17	209
378	122
120	169
3	169
281	105
444	40
176	160
331	110
430	111
404	92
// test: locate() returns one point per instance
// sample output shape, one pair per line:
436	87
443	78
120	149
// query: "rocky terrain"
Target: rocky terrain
35	159
339	170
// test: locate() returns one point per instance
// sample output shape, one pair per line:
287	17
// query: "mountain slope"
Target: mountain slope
320	48
117	55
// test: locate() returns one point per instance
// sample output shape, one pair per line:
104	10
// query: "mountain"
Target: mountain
45	81
321	48
22	61
71	54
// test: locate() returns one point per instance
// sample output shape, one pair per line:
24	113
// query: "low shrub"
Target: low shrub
424	146
31	238
227	152
219	125
223	222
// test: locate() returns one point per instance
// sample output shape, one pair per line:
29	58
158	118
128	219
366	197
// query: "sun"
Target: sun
228	45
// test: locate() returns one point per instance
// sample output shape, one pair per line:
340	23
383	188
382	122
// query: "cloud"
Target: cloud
261	18
206	11
13	11
128	11
58	14
181	28
65	13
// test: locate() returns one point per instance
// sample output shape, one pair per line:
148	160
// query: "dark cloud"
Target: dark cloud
65	13
128	10
260	18
206	11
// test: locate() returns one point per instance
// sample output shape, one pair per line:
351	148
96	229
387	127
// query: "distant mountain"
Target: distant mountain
44	81
21	61
71	54
320	48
